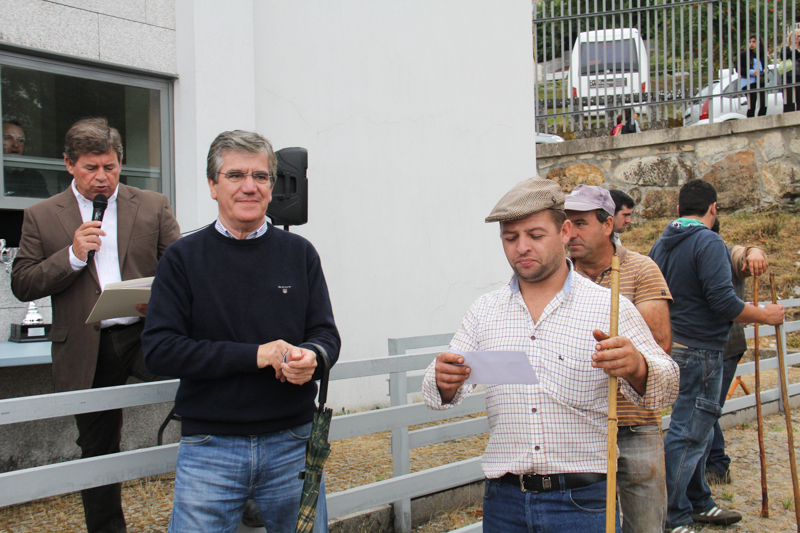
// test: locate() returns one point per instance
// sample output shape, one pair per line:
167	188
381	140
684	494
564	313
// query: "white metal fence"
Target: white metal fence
50	480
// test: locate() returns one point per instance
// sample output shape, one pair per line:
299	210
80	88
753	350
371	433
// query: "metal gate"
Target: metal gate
673	63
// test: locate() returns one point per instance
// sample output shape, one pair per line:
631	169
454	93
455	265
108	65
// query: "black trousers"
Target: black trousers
791	97
119	357
752	98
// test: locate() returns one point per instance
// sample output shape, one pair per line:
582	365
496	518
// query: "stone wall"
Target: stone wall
133	33
752	163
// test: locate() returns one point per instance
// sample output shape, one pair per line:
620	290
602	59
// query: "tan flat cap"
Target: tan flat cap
526	198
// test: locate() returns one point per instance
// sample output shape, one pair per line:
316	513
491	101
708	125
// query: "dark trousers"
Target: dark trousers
791	97
119	357
717	461
752	98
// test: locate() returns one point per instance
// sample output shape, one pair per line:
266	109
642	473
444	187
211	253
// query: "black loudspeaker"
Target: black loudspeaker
289	205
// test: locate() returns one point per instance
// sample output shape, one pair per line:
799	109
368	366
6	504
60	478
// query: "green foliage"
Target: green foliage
787	502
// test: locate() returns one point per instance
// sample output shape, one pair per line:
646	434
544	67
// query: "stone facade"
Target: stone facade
133	33
752	163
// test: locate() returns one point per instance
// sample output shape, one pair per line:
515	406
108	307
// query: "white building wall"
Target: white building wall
418	117
215	92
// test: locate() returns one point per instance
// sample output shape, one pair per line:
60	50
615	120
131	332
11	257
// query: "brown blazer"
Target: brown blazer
145	227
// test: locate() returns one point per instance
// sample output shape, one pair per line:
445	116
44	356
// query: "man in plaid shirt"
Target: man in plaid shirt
546	460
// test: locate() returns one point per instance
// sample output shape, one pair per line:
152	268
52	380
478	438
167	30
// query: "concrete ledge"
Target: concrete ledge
380	520
424	509
671	135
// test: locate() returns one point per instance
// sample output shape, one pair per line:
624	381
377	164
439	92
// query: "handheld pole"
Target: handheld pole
785	398
761	453
611	477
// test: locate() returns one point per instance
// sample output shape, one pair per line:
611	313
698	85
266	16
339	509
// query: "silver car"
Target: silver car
722	103
547	138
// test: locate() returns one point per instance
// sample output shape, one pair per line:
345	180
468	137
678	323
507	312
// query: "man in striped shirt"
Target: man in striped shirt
641	472
546	460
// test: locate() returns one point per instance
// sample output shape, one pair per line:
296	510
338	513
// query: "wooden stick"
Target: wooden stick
611	477
785	399
761	453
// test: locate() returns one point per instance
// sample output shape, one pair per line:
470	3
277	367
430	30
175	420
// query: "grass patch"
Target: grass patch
787	502
793	340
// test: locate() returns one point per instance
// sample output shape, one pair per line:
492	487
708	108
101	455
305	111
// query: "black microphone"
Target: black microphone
99	204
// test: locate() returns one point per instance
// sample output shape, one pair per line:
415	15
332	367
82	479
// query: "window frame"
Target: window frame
86	69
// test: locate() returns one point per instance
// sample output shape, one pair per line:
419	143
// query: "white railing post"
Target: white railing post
401	452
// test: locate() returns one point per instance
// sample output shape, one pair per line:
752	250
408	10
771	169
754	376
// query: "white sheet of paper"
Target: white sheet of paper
498	368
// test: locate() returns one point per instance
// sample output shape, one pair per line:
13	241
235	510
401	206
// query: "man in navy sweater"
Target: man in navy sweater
697	267
240	312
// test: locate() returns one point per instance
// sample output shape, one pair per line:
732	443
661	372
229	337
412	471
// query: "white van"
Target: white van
609	66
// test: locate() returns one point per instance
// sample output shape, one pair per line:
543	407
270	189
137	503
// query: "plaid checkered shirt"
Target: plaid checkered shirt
560	424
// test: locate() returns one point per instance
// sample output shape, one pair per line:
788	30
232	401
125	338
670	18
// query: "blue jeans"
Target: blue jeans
506	509
717	461
693	415
217	473
641	479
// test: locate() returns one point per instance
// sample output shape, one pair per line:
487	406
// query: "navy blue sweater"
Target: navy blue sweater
213	302
697	268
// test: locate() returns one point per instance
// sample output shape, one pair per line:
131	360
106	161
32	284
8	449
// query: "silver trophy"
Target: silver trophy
32	328
7	255
33	316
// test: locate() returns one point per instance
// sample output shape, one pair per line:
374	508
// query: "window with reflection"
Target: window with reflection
40	99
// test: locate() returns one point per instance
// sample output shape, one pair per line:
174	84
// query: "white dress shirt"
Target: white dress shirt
106	260
220	227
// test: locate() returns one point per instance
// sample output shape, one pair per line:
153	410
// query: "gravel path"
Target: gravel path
367	459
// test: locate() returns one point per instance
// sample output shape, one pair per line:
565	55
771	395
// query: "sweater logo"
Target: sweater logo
284	288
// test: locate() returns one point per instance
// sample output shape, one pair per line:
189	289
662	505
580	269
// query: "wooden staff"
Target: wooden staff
611	483
761	454
785	399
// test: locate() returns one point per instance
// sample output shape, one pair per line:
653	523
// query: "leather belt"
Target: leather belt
537	483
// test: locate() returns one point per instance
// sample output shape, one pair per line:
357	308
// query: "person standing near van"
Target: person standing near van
790	68
618	128
753	74
631	124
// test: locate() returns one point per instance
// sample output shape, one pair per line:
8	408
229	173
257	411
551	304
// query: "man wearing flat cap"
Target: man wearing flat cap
545	464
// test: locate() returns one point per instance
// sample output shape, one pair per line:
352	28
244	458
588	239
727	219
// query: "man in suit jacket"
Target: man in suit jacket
55	260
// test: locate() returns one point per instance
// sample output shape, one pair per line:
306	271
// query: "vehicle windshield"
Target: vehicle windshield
609	56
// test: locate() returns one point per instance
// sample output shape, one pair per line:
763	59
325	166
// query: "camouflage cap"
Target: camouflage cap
526	198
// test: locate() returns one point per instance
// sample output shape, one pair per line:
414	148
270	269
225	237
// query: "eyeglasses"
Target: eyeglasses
11	138
236	176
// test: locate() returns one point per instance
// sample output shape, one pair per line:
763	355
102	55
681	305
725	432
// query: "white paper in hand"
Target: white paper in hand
498	368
